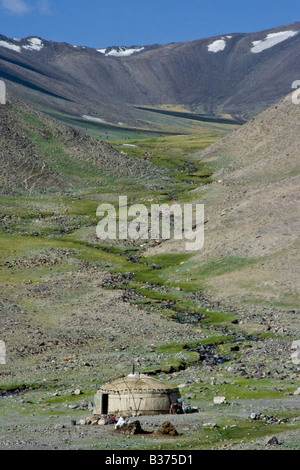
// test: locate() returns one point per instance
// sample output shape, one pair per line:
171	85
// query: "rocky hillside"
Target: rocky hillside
40	154
254	211
232	73
251	251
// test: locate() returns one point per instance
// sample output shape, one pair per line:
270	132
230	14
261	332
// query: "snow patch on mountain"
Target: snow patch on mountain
271	40
35	44
10	46
216	46
93	119
120	51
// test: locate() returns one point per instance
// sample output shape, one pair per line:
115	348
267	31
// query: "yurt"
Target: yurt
135	394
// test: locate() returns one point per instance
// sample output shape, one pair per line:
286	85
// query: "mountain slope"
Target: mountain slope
256	207
40	154
230	74
251	250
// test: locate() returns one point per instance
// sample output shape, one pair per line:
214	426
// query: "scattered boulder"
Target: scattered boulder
93	419
210	425
273	441
102	422
59	426
269	419
190	396
220	401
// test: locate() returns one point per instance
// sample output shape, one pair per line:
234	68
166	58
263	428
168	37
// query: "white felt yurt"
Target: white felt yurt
136	394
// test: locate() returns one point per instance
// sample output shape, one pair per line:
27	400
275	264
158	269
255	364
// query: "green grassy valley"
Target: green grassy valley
77	311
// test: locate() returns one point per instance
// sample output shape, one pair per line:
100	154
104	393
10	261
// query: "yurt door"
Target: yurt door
104	404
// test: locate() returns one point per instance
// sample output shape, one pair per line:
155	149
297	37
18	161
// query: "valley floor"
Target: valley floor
76	313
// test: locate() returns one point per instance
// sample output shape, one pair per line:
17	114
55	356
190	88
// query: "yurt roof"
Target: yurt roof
135	383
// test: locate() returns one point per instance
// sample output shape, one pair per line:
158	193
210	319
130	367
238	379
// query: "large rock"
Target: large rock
273	441
220	401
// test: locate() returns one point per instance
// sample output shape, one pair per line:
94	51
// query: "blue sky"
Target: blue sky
99	23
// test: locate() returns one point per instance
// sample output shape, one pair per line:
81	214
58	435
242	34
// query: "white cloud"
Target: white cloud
19	7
